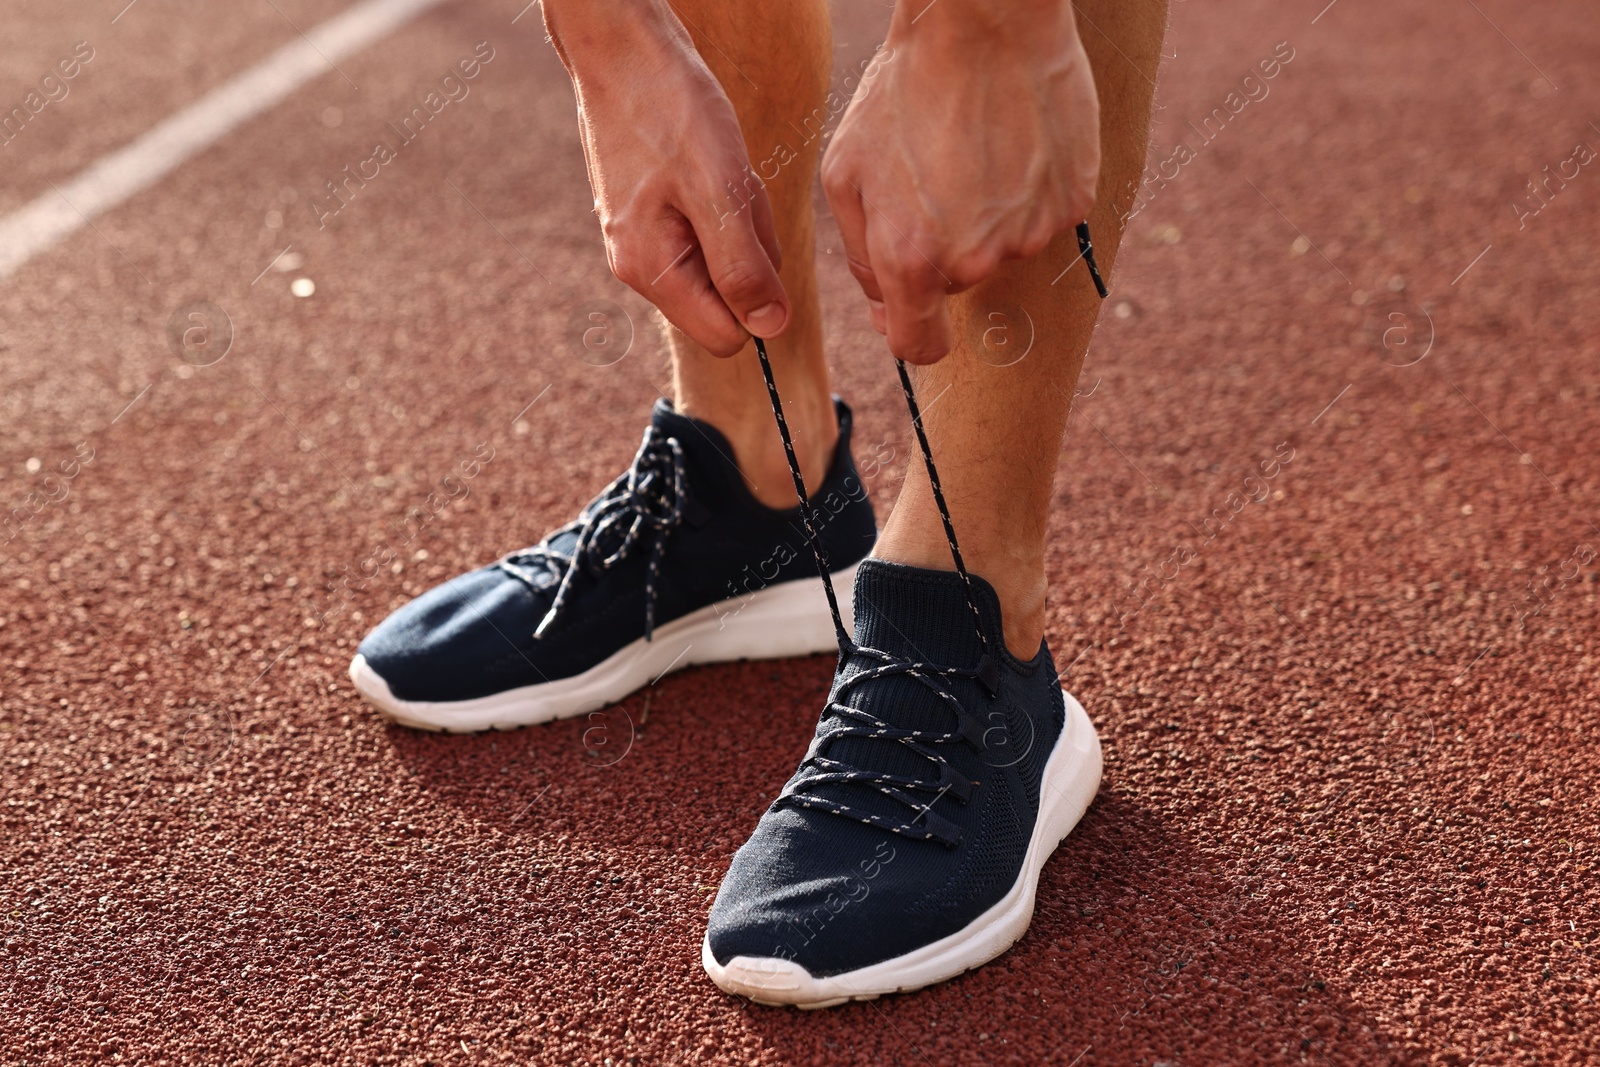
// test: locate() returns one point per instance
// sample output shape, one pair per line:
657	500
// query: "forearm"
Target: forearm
590	35
981	24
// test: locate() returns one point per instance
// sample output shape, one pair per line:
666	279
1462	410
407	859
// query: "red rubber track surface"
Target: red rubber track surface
1349	806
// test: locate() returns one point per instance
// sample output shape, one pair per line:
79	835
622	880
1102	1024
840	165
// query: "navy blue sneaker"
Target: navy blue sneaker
674	564
907	847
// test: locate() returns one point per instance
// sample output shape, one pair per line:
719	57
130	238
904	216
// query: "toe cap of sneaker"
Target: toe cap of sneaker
457	641
831	896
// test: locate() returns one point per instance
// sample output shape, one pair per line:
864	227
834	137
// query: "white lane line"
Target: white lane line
114	178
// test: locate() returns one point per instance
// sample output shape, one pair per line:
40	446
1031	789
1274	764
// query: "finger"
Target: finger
667	267
741	269
878	314
918	324
689	300
850	214
767	230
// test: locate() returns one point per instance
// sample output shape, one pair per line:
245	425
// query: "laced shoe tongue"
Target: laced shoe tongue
563	543
693	439
545	572
920	616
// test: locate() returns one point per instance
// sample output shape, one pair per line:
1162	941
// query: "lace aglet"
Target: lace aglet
544	624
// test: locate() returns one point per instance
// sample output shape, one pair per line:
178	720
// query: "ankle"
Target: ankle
1022	613
758	450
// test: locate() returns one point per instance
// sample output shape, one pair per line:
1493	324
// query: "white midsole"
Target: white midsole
787	619
1071	778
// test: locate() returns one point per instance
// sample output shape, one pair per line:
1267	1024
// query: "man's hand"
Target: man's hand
686	222
976	140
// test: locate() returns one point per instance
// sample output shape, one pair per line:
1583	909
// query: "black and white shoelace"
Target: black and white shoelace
925	824
645	503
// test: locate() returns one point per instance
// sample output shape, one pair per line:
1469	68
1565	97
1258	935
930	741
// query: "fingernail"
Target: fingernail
879	316
764	321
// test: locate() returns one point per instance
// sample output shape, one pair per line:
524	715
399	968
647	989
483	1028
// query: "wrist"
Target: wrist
591	34
968	23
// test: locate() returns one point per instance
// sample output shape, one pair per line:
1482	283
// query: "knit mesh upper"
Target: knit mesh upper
473	636
815	886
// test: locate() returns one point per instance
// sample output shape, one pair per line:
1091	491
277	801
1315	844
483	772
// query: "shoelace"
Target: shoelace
926	824
646	501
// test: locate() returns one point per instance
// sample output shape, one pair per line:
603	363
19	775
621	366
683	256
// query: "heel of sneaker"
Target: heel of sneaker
1072	775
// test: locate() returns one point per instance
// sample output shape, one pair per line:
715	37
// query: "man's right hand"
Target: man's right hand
976	143
686	222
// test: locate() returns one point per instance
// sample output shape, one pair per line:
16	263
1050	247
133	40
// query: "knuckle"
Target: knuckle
622	250
905	261
741	280
835	179
968	270
618	229
863	272
625	265
1035	242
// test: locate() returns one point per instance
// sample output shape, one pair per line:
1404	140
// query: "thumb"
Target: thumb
744	274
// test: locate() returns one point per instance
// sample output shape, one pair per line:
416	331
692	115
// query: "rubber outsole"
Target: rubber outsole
1071	779
788	619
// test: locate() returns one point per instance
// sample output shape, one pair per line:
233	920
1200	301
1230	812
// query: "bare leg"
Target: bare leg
997	432
773	60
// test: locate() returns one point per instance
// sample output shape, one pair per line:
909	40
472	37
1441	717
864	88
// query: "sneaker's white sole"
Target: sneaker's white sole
788	619
1071	778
